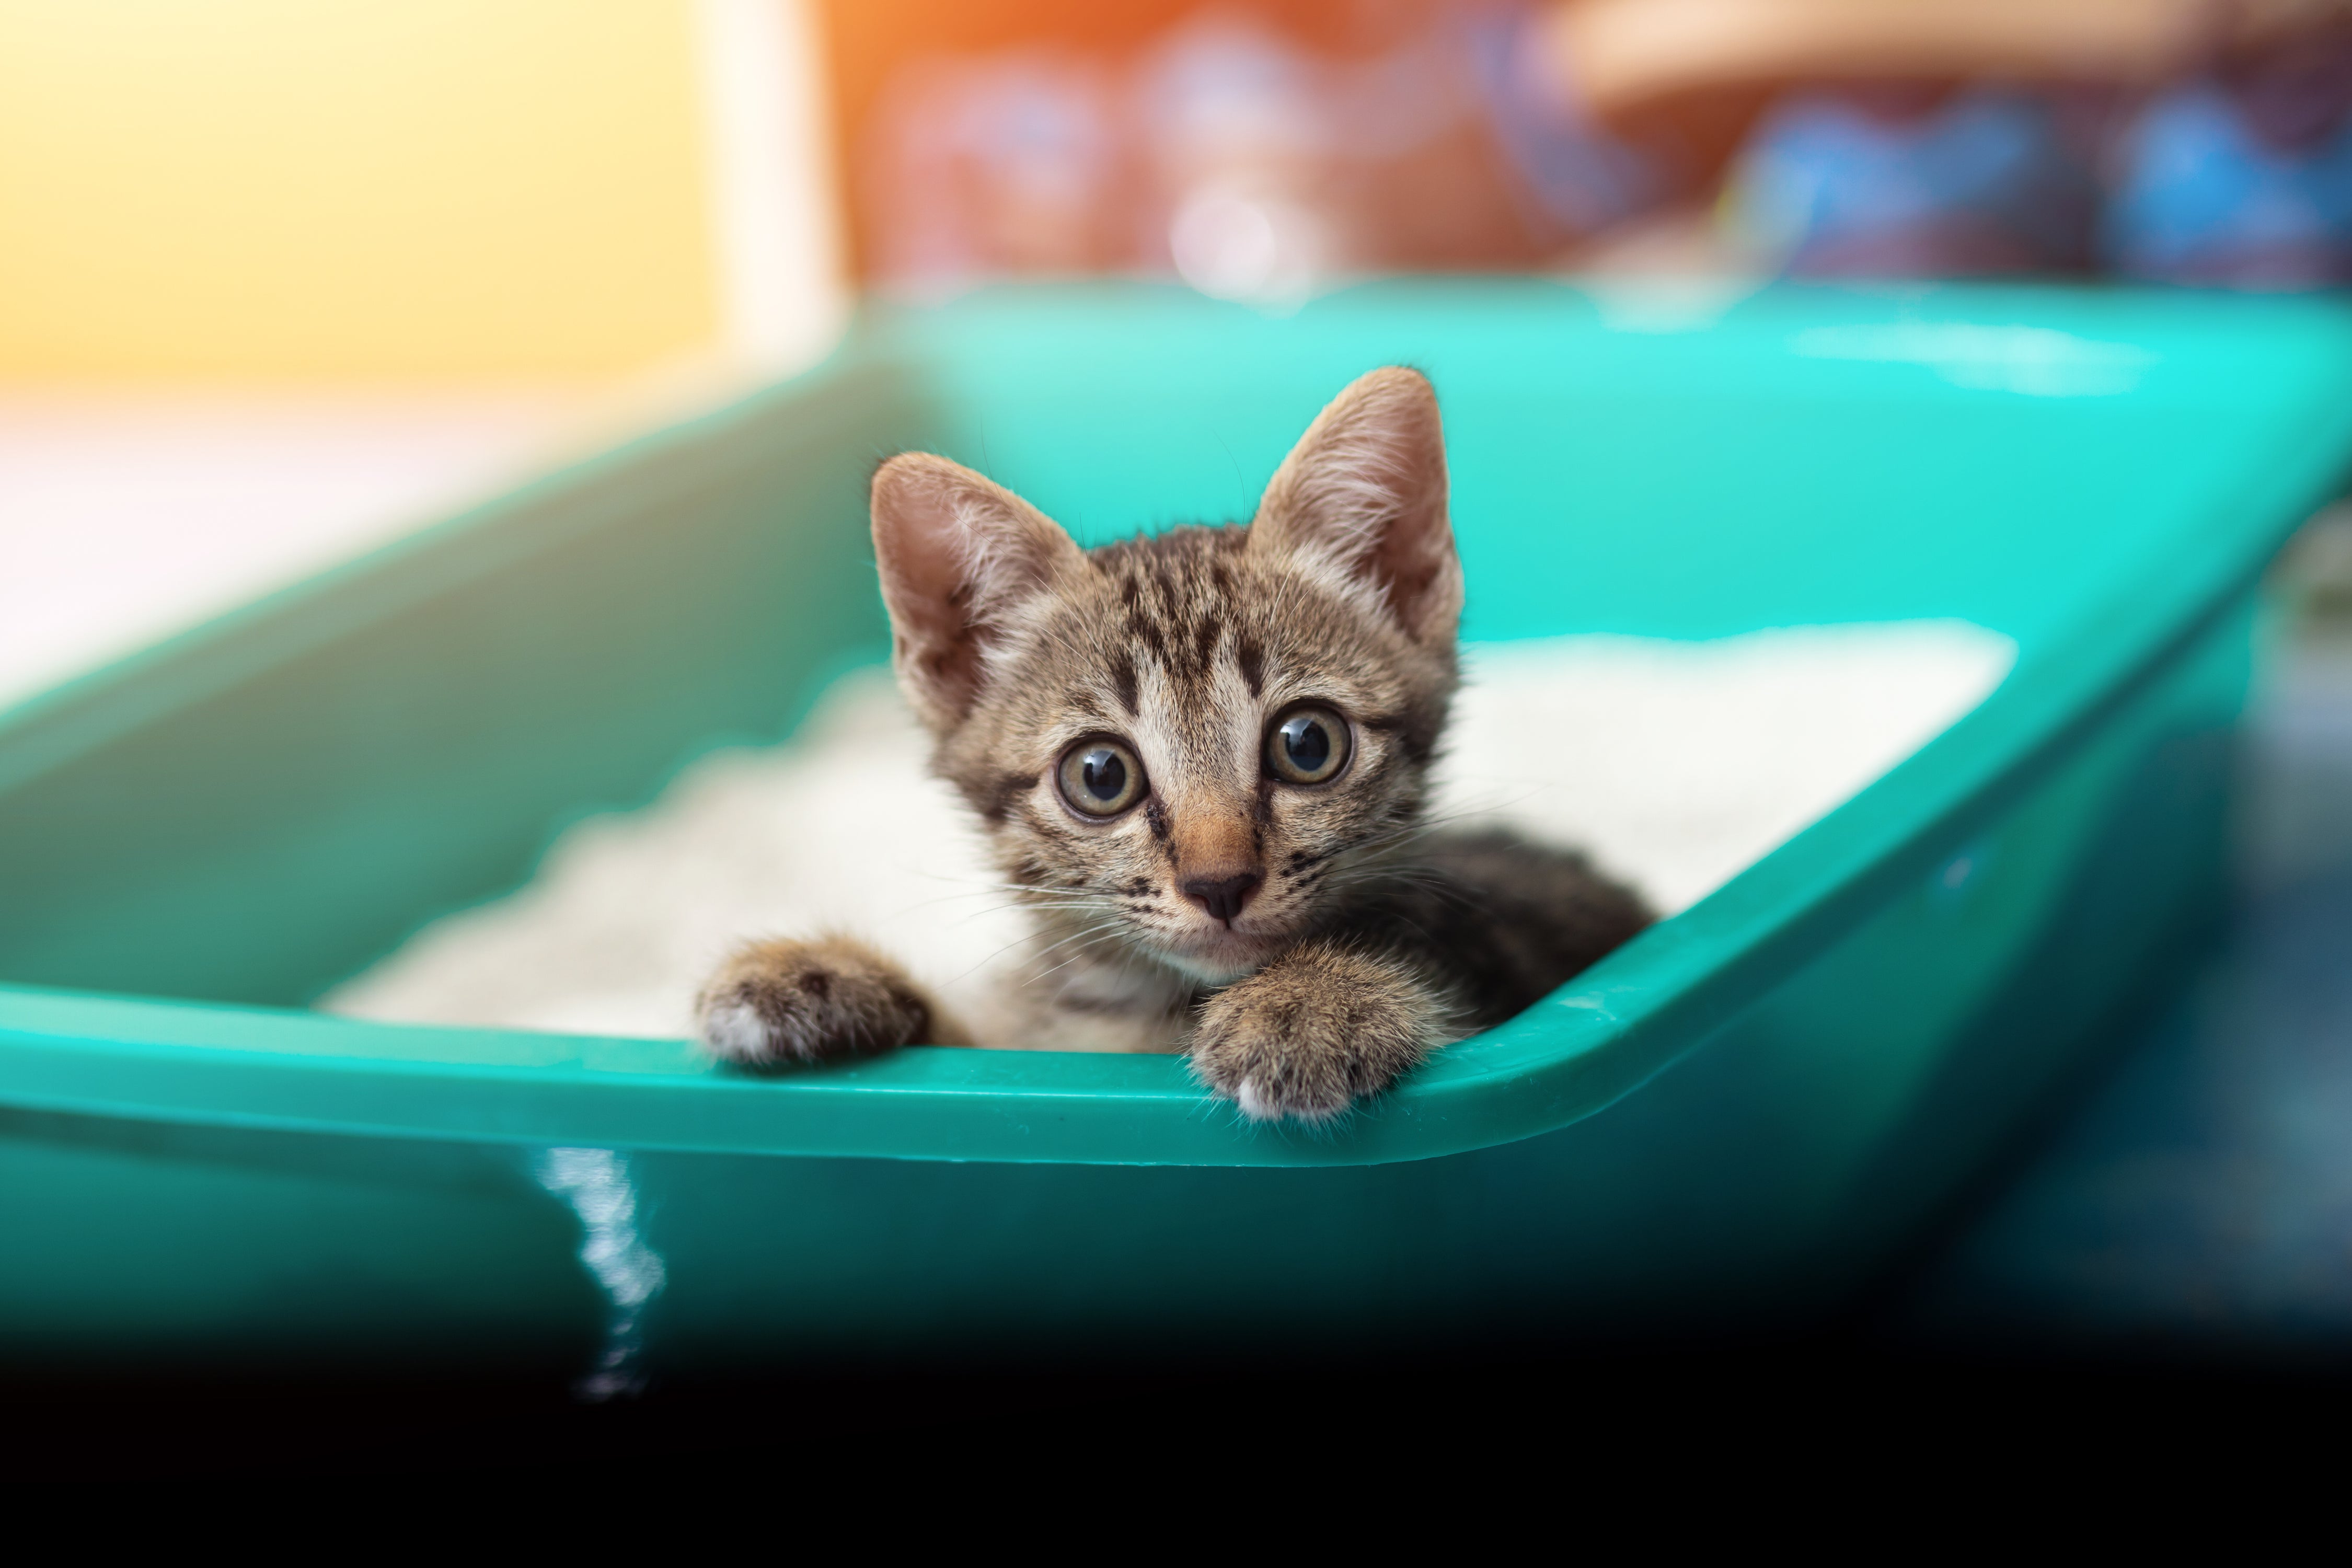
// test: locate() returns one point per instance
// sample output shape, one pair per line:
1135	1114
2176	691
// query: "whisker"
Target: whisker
999	908
1025	937
1441	887
1080	952
1424	825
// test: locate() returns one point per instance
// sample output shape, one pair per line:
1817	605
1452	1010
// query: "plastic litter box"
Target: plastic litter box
1738	1118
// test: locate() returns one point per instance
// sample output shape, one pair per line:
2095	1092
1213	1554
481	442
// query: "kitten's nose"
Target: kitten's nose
1222	897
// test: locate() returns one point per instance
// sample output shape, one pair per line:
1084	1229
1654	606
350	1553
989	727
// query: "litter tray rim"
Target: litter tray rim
1572	1055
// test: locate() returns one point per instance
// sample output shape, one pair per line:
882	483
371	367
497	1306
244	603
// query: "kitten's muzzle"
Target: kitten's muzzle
1223	896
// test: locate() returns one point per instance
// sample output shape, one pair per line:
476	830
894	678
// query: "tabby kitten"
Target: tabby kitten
1201	759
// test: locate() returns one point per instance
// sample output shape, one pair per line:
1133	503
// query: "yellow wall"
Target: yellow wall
360	188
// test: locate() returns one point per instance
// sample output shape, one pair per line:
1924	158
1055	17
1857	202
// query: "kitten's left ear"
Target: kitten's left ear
1362	498
958	556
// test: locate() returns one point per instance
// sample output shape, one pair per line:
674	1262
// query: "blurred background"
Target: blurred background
278	278
281	280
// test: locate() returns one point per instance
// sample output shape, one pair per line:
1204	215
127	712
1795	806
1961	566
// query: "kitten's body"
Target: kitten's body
1297	930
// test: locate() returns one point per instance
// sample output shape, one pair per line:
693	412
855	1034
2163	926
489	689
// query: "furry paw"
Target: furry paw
1312	1033
778	1002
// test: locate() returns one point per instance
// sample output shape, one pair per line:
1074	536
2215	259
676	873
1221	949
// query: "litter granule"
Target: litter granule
1676	764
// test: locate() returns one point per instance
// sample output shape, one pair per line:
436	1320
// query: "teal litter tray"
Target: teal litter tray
1739	1118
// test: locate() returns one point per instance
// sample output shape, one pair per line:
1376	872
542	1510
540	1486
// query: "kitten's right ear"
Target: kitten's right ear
958	556
1362	500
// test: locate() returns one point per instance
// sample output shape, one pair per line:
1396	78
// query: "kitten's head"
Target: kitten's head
1186	740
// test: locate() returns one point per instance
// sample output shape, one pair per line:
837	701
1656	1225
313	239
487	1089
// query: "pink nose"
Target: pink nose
1222	897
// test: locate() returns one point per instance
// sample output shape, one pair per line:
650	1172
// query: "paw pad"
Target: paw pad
805	1001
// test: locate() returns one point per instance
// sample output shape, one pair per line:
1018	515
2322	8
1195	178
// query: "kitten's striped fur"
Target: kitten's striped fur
1362	941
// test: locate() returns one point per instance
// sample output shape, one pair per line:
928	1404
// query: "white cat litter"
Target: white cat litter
1674	764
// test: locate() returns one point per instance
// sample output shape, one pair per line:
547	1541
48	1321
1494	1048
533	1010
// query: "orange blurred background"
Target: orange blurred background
279	279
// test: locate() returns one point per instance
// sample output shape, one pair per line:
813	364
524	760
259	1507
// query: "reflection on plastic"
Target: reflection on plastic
595	1182
2031	362
1956	881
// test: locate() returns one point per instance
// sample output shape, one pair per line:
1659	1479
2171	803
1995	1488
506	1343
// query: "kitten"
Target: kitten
1200	759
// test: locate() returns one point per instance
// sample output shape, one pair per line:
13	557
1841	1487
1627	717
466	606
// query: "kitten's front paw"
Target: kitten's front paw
778	1001
1312	1033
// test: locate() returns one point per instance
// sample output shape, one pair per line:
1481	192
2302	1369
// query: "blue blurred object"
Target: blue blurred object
1860	182
1580	176
2203	197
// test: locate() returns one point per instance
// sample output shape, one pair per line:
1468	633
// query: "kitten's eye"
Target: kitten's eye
1307	745
1101	777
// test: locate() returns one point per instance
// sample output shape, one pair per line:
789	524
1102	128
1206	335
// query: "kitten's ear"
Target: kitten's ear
958	556
1362	498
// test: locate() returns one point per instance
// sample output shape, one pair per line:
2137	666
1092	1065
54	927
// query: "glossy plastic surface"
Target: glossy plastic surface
1739	1113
